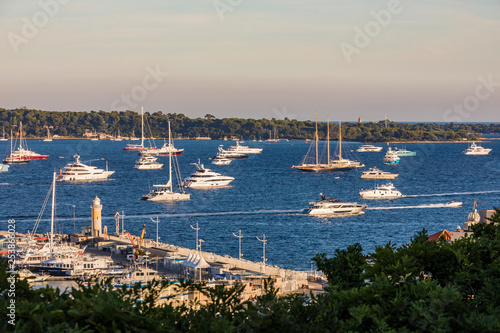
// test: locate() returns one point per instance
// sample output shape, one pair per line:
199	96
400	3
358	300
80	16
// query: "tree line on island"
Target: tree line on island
422	286
128	123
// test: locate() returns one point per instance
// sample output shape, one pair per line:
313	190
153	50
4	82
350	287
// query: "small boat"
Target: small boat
368	148
391	158
206	178
476	150
454	204
77	172
4	167
403	152
32	277
166	192
22	154
375	173
332	207
3	138
147	162
386	191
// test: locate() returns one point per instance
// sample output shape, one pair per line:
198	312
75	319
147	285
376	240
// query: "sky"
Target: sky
429	61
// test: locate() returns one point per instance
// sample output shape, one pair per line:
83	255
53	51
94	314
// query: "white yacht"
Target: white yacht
147	162
166	192
221	161
77	171
375	173
206	178
368	148
166	150
137	275
386	191
476	150
332	207
244	149
391	158
231	155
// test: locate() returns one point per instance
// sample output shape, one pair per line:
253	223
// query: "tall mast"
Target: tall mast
170	158
20	134
11	140
328	138
340	140
142	126
316	115
53	210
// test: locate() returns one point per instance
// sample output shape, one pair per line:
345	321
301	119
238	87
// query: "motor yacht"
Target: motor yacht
368	148
167	149
386	191
206	178
476	150
375	173
147	162
231	155
77	171
332	207
221	161
244	149
391	158
401	152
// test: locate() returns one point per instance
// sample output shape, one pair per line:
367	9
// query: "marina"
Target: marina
259	201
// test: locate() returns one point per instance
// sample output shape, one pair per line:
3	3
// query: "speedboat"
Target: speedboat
404	152
332	207
206	178
77	171
386	191
4	167
147	162
368	148
244	149
476	150
375	173
391	158
454	204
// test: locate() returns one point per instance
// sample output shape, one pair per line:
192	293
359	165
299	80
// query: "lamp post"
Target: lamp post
240	237
197	229
157	221
264	242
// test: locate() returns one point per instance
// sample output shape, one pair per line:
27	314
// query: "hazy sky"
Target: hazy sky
414	60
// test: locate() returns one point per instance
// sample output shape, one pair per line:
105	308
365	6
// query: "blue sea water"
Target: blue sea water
266	197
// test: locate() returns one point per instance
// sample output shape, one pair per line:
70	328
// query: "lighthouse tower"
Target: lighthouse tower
96	225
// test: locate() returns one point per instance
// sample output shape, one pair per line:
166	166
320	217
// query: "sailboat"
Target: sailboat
339	164
3	138
140	146
271	140
165	192
22	154
48	138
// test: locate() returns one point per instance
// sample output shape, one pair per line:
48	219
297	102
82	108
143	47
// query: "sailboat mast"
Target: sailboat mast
11	140
328	138
142	126
20	134
340	140
170	158
53	212
316	116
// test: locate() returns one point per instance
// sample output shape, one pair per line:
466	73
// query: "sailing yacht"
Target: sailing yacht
271	140
165	192
136	147
3	138
48	138
22	154
340	164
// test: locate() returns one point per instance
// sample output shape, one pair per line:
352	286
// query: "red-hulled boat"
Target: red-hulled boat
22	154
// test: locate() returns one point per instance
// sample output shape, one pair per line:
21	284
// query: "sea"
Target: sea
266	199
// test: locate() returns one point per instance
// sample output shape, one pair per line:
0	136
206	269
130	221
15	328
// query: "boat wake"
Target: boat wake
412	207
450	194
